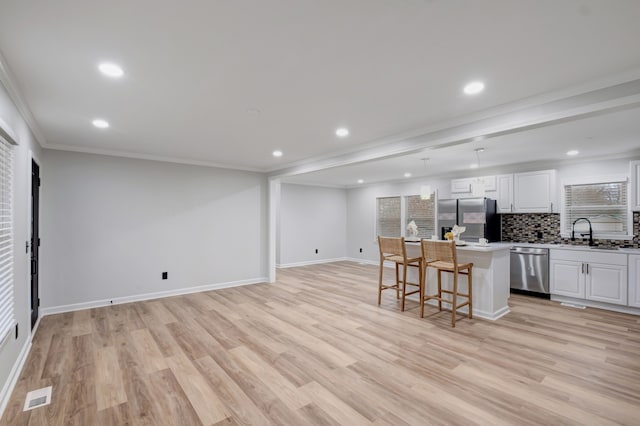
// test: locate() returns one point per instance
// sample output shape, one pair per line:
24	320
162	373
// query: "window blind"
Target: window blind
6	240
422	212
604	204
388	219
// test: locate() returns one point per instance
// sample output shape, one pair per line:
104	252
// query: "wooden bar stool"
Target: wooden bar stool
442	256
394	250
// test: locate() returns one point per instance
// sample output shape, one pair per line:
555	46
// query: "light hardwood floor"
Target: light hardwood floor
314	348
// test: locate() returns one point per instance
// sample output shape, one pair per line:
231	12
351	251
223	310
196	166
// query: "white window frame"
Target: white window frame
590	180
403	211
5	333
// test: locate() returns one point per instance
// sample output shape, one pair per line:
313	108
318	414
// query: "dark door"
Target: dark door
35	240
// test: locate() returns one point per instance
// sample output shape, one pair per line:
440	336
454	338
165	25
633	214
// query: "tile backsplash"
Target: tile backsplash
545	228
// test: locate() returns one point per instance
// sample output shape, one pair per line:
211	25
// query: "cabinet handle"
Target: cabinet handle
511	208
582	268
551	207
587	269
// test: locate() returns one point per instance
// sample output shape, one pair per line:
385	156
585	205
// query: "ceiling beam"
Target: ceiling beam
509	118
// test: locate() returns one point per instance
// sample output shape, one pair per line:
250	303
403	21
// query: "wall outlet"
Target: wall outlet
539	234
360	250
316	251
165	275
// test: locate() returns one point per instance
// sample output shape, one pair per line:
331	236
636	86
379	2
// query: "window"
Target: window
393	212
422	212
388	219
605	204
6	240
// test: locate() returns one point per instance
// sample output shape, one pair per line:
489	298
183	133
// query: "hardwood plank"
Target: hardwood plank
109	387
205	401
315	348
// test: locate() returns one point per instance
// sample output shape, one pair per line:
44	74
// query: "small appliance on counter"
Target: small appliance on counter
478	215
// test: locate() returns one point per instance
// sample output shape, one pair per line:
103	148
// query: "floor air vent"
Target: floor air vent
38	398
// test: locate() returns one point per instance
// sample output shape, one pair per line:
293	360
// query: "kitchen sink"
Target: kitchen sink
605	248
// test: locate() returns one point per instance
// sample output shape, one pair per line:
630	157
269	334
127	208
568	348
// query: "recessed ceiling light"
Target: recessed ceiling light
277	153
253	110
342	132
100	123
474	166
111	70
573	152
360	181
407	175
474	88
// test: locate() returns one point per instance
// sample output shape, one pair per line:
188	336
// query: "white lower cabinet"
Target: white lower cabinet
601	277
606	283
634	280
567	278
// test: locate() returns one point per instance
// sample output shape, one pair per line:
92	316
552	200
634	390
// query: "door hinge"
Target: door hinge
38	302
39	181
38	242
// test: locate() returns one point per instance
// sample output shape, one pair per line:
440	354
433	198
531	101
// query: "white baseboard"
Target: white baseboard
10	384
148	296
599	305
310	262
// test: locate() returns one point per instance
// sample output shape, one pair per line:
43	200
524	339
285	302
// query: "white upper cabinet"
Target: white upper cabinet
534	192
634	174
504	196
465	188
461	186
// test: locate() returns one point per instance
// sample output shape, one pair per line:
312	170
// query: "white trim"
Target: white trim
590	180
9	82
10	384
593	304
7	133
274	190
311	262
150	157
148	296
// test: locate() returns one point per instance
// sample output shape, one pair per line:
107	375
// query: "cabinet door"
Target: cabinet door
634	174
606	283
634	280
461	186
504	197
534	192
567	278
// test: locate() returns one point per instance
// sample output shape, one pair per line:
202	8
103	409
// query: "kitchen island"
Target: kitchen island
490	277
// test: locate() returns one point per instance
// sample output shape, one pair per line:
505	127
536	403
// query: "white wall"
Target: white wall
111	226
10	350
311	218
361	212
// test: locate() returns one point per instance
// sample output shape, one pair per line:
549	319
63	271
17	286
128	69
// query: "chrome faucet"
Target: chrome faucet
573	230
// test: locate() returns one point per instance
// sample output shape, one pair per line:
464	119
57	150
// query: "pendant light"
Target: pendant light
425	190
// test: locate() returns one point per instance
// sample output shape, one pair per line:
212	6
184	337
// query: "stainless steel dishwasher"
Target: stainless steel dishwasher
530	270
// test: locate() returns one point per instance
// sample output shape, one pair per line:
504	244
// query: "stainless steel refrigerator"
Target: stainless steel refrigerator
478	215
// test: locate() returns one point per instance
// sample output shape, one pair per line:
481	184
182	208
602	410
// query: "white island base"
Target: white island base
490	279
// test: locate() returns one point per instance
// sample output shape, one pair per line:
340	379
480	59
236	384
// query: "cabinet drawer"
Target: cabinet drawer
593	256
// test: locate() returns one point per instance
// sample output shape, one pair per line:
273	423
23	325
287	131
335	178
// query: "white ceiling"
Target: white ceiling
613	134
380	67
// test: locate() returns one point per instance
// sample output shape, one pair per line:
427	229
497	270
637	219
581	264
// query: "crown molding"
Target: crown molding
141	156
9	82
